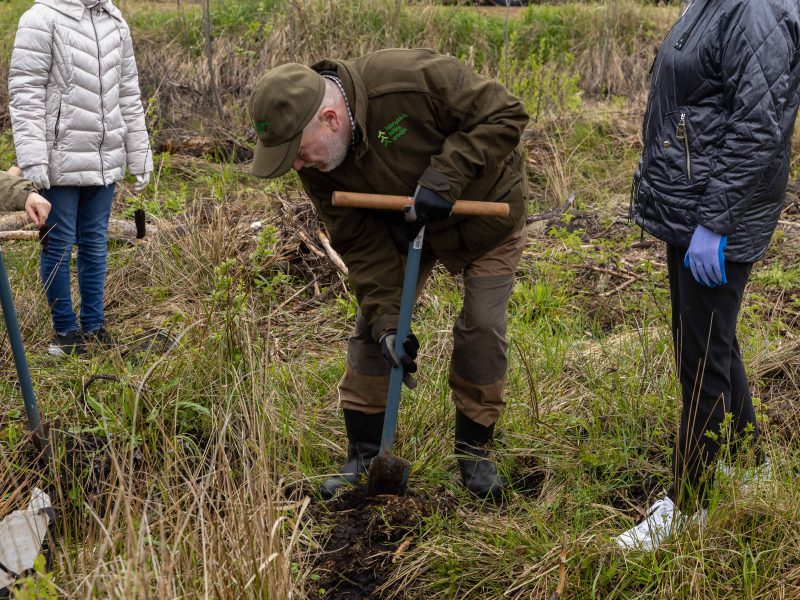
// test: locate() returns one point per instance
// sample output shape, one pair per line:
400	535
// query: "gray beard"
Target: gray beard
337	148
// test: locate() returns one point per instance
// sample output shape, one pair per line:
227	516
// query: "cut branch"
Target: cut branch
311	245
562	569
332	254
14	220
118	230
9	236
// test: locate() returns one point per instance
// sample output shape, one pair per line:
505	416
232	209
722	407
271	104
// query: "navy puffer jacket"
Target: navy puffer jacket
718	127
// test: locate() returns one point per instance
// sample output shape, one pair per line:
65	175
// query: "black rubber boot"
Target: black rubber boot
364	434
478	473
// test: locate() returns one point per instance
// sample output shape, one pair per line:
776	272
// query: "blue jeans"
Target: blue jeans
79	215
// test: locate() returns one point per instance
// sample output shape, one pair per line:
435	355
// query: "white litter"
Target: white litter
21	536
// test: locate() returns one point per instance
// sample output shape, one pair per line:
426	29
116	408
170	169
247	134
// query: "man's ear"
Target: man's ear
330	117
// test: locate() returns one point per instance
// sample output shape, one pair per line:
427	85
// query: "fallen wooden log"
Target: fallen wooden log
14	220
118	230
19	235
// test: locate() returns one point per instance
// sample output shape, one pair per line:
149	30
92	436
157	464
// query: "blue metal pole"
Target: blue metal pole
18	350
403	329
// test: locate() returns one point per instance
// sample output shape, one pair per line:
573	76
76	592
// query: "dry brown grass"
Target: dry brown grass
613	48
159	498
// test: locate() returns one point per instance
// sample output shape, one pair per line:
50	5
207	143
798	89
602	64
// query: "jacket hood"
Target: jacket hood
74	8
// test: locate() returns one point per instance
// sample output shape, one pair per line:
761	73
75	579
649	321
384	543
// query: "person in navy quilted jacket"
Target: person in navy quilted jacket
711	183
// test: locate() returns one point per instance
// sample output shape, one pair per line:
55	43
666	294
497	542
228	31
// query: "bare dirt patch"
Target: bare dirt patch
366	537
527	476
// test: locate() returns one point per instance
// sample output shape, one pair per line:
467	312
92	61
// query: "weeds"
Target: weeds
192	471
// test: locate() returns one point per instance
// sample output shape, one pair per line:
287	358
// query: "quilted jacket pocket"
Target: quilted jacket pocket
677	160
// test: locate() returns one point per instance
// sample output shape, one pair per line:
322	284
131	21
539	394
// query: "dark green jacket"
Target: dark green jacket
13	191
421	118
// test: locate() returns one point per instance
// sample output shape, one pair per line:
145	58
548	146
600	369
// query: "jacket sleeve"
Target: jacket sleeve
485	119
374	266
757	61
28	75
13	191
137	141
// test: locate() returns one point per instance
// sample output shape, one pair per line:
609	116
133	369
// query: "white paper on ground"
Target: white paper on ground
21	536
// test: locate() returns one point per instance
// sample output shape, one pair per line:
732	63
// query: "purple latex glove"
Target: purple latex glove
706	257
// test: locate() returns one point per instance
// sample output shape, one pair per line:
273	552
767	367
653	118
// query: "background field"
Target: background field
187	458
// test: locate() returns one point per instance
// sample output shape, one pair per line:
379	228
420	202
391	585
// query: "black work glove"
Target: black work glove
408	360
428	207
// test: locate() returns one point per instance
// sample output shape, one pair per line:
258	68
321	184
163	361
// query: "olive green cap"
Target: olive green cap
282	103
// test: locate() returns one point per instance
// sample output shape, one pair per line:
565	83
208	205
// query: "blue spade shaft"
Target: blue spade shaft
403	329
18	350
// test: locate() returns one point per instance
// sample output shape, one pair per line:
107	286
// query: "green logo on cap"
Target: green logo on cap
261	127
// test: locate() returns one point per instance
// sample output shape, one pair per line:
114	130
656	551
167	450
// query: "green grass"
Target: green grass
216	438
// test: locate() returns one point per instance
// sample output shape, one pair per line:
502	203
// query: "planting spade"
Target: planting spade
388	474
20	360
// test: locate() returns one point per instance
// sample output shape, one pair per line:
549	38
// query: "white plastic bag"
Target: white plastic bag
21	536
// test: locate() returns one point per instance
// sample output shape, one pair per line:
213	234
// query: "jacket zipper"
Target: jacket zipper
58	123
659	60
685	37
102	96
644	212
683	136
657	64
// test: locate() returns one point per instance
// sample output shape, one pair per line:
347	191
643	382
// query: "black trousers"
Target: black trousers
712	376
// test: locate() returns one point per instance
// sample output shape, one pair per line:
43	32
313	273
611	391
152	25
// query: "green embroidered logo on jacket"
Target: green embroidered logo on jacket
393	131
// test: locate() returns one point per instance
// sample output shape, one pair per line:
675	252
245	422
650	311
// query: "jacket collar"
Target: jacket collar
357	96
74	9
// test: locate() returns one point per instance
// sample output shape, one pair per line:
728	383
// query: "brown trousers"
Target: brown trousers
480	350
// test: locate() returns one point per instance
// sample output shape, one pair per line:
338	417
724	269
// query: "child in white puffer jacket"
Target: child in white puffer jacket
78	125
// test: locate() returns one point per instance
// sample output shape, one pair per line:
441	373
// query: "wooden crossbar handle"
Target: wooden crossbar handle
385	202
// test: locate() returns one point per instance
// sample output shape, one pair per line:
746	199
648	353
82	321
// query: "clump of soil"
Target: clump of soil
527	476
365	533
638	493
79	458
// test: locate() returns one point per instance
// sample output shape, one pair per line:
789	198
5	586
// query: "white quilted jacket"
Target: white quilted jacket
74	88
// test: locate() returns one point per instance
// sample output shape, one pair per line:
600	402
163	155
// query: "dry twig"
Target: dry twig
404	545
332	254
311	245
562	569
